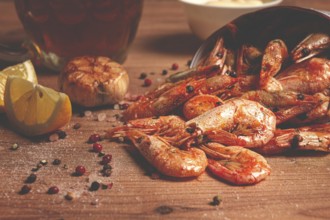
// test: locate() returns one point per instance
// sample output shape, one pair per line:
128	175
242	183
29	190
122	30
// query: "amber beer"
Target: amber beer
69	28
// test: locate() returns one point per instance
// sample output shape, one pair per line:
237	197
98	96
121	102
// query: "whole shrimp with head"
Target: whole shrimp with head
233	123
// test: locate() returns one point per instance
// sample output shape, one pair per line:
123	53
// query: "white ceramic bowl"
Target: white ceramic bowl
205	19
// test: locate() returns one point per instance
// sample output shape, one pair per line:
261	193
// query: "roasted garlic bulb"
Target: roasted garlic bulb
94	81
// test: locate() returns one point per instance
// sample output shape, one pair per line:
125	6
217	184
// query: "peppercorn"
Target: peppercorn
216	201
31	179
189	89
95	186
94	138
53	190
106	159
61	134
147	82
57	162
97	147
25	189
143	76
76	126
107	170
80	170
175	66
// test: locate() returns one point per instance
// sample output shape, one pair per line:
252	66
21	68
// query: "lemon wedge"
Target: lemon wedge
23	70
33	109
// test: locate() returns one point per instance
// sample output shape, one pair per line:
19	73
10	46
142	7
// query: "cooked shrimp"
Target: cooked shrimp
237	122
171	128
175	96
235	164
312	45
217	56
315	138
309	77
275	55
248	59
167	159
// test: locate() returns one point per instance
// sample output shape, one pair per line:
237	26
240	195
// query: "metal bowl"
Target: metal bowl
291	24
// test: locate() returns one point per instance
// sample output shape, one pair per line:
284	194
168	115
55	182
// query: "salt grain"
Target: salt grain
88	113
116	107
53	137
101	116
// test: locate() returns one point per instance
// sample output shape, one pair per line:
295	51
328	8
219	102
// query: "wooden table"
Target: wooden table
298	187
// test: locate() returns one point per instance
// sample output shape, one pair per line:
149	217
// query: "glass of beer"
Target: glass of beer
62	29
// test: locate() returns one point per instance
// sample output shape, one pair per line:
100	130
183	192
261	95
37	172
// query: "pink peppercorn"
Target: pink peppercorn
94	138
53	190
97	147
80	170
106	159
147	82
175	66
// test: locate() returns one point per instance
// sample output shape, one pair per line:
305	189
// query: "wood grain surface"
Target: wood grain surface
298	187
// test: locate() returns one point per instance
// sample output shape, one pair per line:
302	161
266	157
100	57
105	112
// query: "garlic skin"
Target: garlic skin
94	81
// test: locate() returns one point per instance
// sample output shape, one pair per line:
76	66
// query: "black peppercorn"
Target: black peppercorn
57	162
25	189
31	179
95	186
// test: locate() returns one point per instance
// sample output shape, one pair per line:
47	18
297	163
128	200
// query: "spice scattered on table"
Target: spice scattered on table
216	201
56	162
25	189
31	178
80	170
97	148
95	186
101	116
61	134
106	170
147	82
94	138
175	66
53	190
76	126
106	159
53	137
14	147
143	76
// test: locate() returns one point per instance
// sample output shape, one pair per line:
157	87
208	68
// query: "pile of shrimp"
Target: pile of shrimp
234	107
